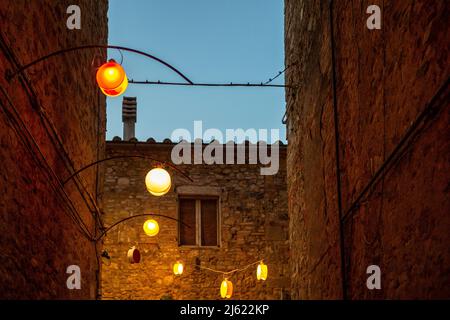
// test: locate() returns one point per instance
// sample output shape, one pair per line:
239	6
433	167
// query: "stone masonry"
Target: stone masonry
384	79
254	225
38	238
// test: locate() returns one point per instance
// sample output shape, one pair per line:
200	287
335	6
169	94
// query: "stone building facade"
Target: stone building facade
52	121
375	87
253	225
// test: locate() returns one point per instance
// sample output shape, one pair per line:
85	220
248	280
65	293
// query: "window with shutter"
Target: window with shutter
199	221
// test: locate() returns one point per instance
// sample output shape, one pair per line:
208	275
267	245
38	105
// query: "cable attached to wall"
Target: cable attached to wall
429	113
51	131
337	154
188	82
33	148
280	73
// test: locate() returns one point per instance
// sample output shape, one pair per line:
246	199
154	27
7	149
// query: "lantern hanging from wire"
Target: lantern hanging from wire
261	271
226	289
112	79
151	227
178	268
158	181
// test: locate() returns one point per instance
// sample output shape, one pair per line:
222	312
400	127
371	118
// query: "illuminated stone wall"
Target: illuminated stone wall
254	225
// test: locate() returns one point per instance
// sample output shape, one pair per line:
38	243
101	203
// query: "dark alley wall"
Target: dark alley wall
39	238
384	80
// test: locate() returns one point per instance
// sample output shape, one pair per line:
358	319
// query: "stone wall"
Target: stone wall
254	225
384	80
38	237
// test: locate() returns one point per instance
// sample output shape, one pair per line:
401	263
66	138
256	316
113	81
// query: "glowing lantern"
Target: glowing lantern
178	268
226	289
151	227
261	271
158	181
111	79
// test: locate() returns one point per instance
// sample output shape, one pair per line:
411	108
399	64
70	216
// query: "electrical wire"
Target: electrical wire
225	273
168	164
280	73
20	70
430	112
105	231
337	154
188	82
201	84
26	139
51	131
121	56
65	157
33	148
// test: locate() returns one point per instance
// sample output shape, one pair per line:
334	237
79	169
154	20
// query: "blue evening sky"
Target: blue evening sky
209	41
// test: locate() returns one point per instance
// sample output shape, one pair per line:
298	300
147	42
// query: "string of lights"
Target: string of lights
226	287
151	229
231	271
178	268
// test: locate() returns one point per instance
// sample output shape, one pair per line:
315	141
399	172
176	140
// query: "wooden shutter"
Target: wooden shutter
187	217
209	222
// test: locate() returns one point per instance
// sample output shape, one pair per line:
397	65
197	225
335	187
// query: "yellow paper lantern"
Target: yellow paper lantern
111	79
226	289
158	181
151	227
261	271
178	268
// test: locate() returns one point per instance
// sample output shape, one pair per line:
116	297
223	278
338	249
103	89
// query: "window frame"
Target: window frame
198	212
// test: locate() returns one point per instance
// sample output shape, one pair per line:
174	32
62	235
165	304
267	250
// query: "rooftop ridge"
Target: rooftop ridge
167	141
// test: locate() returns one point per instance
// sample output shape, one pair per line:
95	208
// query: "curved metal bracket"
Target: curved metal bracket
124	157
137	216
92	46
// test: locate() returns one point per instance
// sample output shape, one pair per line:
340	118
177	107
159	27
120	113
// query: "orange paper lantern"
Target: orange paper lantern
111	79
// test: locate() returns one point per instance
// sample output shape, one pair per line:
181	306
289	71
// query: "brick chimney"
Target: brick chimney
128	117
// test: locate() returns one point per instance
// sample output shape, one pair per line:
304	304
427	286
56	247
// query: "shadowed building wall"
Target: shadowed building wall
39	238
384	80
